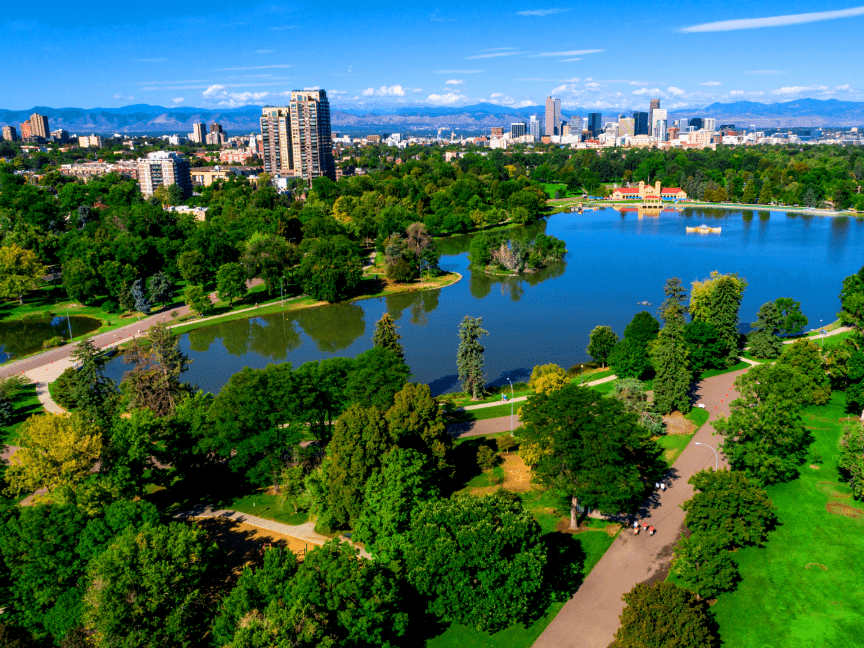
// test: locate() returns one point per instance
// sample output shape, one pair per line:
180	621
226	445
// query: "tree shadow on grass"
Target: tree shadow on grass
212	485
564	571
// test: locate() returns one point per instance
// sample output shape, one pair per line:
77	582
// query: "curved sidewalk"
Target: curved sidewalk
591	617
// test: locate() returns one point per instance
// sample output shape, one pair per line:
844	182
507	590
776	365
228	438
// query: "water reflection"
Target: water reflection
22	337
419	304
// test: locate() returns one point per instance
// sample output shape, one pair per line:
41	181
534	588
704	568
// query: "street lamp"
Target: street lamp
511	406
69	322
716	458
581	375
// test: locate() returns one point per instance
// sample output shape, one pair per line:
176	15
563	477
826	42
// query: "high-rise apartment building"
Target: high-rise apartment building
534	128
641	122
655	104
39	126
658	129
709	124
697	123
85	141
553	116
518	129
310	135
626	126
496	131
10	134
25	130
216	128
595	123
276	139
164	168
199	132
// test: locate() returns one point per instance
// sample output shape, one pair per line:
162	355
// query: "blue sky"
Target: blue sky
607	56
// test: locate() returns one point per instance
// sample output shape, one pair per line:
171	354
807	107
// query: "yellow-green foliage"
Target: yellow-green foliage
541	371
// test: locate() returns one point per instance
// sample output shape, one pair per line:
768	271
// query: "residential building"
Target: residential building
310	135
518	129
276	140
709	124
553	116
207	175
534	128
86	170
10	134
640	126
626	126
373	139
697	123
216	128
199	133
39	126
25	130
164	168
655	104
85	141
216	138
176	140
595	123
496	131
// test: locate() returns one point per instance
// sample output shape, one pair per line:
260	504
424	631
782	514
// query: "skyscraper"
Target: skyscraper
658	128
199	132
276	139
655	103
164	168
641	123
25	129
553	116
595	123
10	134
518	129
709	124
39	126
310	135
534	128
626	126
697	123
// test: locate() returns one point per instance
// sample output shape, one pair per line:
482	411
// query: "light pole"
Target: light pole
716	458
281	291
581	375
823	334
69	322
511	406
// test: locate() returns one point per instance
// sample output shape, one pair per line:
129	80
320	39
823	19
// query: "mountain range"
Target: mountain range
144	118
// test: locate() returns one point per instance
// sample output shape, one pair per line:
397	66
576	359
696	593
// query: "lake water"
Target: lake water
22	337
614	260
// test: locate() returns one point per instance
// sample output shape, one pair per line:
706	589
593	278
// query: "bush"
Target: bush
505	443
7	412
486	458
109	306
64	387
400	271
52	342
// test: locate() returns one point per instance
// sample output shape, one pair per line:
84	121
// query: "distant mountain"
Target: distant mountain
143	118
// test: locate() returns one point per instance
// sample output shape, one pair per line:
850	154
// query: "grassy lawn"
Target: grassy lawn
804	589
673	444
833	341
552	187
26	403
717	372
750	356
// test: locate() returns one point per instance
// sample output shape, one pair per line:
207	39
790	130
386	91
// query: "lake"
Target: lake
23	337
614	260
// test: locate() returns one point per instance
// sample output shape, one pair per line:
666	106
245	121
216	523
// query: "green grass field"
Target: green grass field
26	403
805	589
750	356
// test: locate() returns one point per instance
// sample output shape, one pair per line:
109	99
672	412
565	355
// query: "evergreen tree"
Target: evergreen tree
792	320
469	356
669	354
154	382
750	194
160	287
139	298
386	335
717	300
764	342
93	392
766	195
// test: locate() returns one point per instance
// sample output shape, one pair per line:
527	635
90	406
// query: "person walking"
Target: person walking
663	486
645	527
635	527
651	530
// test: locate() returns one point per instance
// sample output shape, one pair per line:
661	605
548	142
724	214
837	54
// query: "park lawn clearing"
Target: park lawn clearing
26	404
674	442
804	589
719	372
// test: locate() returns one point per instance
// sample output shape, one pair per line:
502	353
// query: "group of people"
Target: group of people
649	529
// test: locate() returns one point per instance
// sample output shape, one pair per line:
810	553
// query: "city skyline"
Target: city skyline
511	53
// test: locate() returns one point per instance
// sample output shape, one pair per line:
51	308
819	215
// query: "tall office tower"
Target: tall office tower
199	132
655	104
39	126
216	128
659	114
709	124
25	130
534	128
595	123
626	126
518	129
682	124
10	134
641	123
164	168
276	139
697	123
553	116
310	135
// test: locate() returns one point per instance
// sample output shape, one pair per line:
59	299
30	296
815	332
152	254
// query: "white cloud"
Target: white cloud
384	91
177	100
711	83
592	85
736	93
416	90
119	96
647	91
457	72
844	88
540	12
447	99
678	92
790	90
571	59
226	99
454	82
774	21
491	55
213	90
252	67
569	53
336	92
573	80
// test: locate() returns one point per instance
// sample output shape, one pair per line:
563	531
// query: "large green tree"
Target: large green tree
593	449
792	320
705	348
469	356
416	421
705	565
20	271
93	392
717	300
851	460
852	301
387	336
231	282
805	358
480	560
669	354
764	342
154	382
331	270
630	358
601	341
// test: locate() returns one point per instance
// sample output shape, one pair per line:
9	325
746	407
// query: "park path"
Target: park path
591	617
519	399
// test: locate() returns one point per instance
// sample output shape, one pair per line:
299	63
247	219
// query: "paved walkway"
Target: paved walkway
519	399
591	617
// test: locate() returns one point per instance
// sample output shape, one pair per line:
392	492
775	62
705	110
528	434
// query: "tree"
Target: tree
601	342
416	421
231	282
57	453
20	271
855	387
766	196
154	382
792	320
386	335
717	300
331	269
469	356
851	460
80	280
594	450
192	267
705	348
142	305
805	358
764	434
197	300
630	359
664	615
852	300
375	378
480	560
643	328
764	342
94	393
268	257
703	563
669	354
730	507
391	499
150	588
161	288
541	372
750	193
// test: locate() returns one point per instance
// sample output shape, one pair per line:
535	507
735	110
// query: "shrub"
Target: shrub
7	412
63	389
505	443
486	458
400	271
52	342
109	306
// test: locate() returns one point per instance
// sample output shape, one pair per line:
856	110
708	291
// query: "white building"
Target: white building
164	168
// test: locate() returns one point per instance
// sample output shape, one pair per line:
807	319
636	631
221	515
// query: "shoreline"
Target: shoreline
733	206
